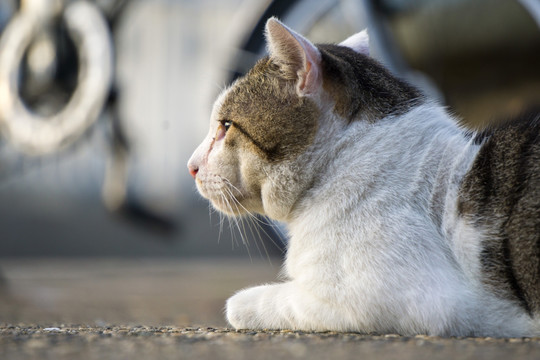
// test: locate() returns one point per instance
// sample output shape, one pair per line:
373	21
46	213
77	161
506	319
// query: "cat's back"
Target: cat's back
500	195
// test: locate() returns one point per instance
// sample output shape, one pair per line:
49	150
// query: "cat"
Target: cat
400	220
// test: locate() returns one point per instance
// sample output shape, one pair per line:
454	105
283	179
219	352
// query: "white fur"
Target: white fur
365	254
359	42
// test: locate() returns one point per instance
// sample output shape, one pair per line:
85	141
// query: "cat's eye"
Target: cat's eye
224	125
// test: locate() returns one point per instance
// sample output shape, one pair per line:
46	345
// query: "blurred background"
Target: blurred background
165	62
102	103
118	184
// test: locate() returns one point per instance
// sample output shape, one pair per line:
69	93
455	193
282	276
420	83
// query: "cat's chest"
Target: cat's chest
348	236
382	212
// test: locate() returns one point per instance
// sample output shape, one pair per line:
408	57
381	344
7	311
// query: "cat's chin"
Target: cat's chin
228	208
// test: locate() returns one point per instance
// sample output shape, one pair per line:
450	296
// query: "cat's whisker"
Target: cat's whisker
210	211
243	234
249	213
240	223
221	220
249	224
259	237
259	228
250	227
259	224
257	221
229	183
236	221
229	208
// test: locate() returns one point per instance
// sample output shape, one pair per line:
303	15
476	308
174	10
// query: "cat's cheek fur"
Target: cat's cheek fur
279	192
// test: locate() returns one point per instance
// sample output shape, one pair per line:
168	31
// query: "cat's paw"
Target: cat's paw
250	309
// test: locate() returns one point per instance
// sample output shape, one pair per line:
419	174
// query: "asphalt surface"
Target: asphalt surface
165	309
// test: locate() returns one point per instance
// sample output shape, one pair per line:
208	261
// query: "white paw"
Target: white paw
249	309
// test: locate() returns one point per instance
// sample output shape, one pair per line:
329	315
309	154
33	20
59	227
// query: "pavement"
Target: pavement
173	308
168	342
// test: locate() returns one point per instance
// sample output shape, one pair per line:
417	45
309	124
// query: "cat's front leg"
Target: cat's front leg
281	306
258	308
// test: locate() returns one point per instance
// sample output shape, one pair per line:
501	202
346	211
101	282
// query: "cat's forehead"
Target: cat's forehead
216	108
261	89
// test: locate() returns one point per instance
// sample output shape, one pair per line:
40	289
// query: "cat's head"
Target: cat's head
265	128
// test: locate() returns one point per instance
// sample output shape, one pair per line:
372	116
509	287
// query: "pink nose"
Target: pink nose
193	170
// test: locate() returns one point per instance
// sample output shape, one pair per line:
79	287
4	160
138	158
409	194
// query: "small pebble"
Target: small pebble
51	329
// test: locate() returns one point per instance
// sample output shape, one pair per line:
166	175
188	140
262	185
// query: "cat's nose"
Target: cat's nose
193	170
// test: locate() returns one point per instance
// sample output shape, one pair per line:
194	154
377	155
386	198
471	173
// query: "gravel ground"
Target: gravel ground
142	342
41	298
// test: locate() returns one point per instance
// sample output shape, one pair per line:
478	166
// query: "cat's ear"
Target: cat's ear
297	55
359	42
